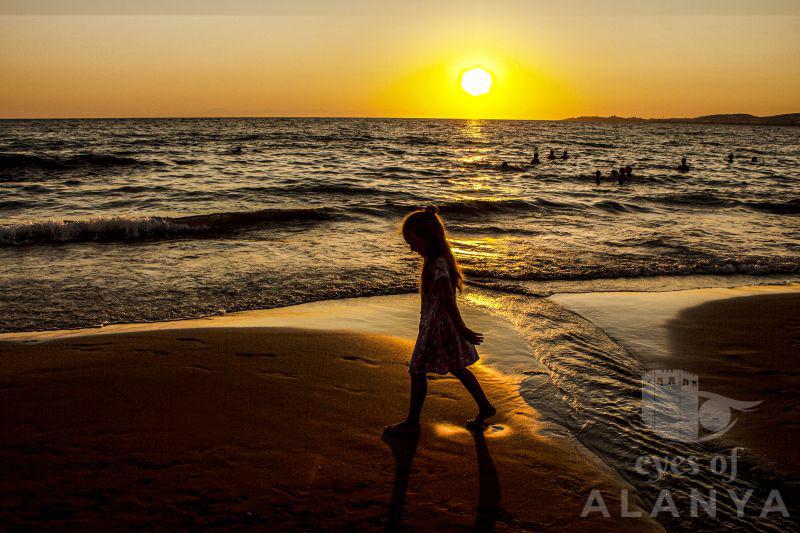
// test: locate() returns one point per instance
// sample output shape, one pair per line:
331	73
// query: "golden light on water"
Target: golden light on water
476	81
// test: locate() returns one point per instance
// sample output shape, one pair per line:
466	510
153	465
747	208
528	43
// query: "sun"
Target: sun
476	81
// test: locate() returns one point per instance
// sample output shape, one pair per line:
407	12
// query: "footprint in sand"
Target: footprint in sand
90	347
535	372
495	430
363	360
353	390
546	432
191	339
255	354
160	353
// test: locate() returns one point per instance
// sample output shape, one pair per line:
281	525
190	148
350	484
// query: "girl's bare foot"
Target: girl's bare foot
480	421
405	426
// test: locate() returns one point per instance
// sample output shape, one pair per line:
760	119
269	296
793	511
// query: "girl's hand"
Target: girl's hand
471	337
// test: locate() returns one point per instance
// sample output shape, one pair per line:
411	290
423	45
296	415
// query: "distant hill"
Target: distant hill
790	119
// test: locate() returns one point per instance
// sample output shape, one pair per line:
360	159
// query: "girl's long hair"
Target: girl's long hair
427	226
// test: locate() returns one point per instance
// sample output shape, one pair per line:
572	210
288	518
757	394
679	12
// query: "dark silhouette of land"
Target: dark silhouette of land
789	119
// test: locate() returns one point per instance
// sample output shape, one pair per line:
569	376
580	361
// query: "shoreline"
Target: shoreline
639	285
741	346
393	319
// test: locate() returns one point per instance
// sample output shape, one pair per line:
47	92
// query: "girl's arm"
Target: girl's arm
444	289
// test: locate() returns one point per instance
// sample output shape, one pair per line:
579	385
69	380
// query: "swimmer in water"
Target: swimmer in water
504	166
564	156
597	176
629	172
614	174
683	167
552	154
237	150
535	160
730	157
754	160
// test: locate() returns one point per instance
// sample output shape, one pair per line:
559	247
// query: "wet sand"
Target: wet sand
743	344
748	348
151	426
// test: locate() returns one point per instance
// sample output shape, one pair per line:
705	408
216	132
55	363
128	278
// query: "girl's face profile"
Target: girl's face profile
415	243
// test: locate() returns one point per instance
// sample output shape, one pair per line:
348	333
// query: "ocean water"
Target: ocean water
105	221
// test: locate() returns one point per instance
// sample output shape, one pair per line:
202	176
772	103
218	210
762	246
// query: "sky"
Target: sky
379	58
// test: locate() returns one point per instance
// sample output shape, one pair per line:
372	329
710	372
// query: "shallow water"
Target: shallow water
581	378
137	220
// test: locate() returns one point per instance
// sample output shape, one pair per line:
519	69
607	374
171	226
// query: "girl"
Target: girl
444	344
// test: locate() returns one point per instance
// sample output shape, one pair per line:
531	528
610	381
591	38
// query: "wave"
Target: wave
594	144
790	207
120	229
695	198
704	199
26	163
334	188
419	140
611	206
686	267
289	187
473	207
478	206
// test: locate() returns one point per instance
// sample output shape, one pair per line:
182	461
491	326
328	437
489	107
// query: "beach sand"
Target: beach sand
234	421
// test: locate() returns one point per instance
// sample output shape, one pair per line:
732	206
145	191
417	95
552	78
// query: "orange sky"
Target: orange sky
378	59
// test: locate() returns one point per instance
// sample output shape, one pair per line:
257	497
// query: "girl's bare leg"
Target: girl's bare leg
419	389
470	382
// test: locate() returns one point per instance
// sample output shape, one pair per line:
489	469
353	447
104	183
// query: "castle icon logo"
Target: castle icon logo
673	406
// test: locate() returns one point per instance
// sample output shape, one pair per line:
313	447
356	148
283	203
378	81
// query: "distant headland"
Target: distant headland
789	119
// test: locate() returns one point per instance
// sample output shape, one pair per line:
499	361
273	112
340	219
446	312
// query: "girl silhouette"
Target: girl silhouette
444	344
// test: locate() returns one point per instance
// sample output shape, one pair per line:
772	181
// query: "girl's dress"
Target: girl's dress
439	347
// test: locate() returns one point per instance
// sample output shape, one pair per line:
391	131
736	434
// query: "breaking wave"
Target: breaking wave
115	229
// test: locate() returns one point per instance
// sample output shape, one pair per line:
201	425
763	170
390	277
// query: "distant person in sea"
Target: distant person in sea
684	167
565	156
754	159
535	160
552	154
730	157
505	166
237	150
597	177
614	174
629	172
444	344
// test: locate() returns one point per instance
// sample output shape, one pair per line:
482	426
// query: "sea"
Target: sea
136	220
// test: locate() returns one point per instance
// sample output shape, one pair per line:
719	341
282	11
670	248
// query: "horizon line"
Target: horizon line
357	117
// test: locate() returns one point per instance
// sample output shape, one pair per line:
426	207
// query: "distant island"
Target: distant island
790	119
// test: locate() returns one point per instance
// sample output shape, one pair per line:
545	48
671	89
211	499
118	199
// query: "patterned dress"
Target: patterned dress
439	347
